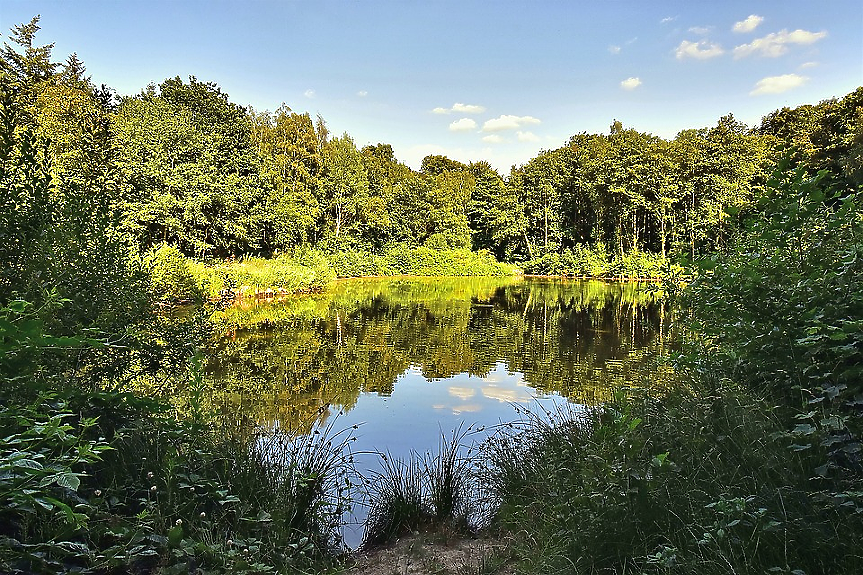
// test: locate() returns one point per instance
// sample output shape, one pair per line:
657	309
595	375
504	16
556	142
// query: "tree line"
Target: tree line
191	168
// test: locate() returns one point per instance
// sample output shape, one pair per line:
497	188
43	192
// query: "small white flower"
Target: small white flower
153	489
203	515
178	522
98	493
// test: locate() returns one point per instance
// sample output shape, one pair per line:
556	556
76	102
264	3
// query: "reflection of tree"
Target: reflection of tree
578	338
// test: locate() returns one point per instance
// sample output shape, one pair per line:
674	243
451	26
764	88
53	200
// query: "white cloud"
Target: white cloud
526	136
467	108
493	139
463	125
748	25
614	49
778	84
461	109
806	65
701	50
776	44
508	122
700	29
309	93
630	83
668	19
362	93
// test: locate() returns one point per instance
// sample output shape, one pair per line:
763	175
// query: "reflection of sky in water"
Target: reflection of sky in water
402	423
399	424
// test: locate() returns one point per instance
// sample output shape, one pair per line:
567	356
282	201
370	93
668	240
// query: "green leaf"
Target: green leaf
69	481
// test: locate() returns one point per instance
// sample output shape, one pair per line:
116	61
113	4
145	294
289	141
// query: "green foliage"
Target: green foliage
302	272
781	313
693	483
171	278
59	229
583	261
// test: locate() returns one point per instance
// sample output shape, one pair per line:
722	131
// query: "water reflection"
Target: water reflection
400	353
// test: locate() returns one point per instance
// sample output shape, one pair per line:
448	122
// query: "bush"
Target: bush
170	276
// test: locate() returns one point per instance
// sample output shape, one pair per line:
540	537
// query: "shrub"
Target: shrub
170	276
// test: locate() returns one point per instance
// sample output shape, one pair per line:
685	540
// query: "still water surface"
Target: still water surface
410	359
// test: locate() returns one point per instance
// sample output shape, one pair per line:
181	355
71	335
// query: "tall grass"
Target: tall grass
705	483
428	492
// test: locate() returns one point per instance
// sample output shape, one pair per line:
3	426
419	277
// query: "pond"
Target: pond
407	359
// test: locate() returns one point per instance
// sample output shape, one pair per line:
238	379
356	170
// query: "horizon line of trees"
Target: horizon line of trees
190	168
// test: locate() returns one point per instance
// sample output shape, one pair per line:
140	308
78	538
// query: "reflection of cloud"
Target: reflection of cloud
506	395
463	393
466	408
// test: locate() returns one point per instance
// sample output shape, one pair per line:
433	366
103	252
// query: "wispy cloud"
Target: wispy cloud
617	48
778	84
630	83
668	19
700	30
362	93
701	50
309	93
493	139
508	122
751	23
526	136
460	108
463	125
806	65
776	44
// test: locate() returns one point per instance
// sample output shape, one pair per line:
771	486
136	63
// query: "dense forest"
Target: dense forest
189	167
753	467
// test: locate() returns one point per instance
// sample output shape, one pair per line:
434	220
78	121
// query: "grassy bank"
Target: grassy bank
176	278
595	262
418	261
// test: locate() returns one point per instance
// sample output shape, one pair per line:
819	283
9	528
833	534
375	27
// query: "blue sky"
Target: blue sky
493	80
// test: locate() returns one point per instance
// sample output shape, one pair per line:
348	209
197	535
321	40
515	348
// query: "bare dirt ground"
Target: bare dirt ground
430	554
